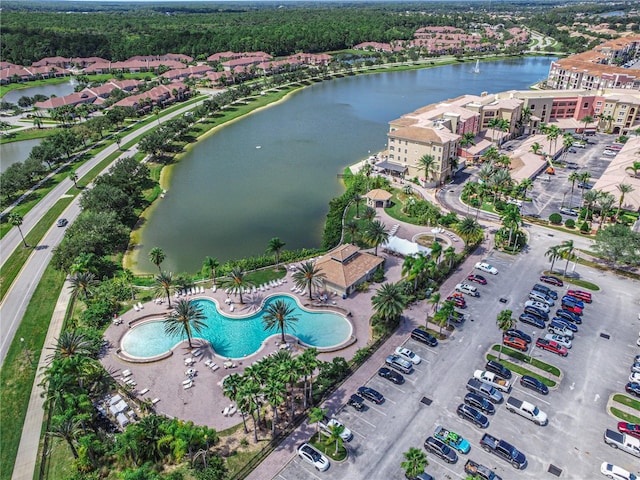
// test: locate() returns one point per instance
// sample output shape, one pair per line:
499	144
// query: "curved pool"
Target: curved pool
239	337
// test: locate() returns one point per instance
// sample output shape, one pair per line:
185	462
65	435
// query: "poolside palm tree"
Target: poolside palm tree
279	315
185	319
376	234
566	249
82	282
231	388
16	220
308	362
211	264
469	230
164	286
236	282
274	246
126	277
307	276
157	256
623	188
428	163
504	321
274	393
554	253
389	302
415	462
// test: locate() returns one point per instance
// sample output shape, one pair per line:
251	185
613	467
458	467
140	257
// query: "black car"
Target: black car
519	334
546	290
498	368
585	185
567	315
534	384
356	401
479	403
391	375
62	222
421	476
371	394
531	320
571	326
424	337
551	280
440	449
536	312
469	413
633	388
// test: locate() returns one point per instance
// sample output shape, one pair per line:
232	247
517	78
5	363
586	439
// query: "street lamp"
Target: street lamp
24	350
533	339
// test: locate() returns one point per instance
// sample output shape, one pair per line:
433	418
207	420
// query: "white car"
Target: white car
310	455
539	305
326	424
560	339
408	355
635	377
616	473
485	267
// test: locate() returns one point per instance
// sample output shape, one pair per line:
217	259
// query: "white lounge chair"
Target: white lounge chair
261	287
294	288
303	292
188	385
208	363
189	361
225	412
215	288
214	367
155	400
126	373
231	307
187	381
197	352
140	306
232	410
143	391
136	308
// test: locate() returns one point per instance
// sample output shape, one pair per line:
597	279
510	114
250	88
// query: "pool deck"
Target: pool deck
204	402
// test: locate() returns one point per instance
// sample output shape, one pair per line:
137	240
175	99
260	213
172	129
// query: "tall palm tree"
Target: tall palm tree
157	256
82	282
434	300
68	429
511	219
415	462
436	251
316	415
231	386
236	281
525	116
584	178
554	253
211	264
164	286
308	362
469	230
445	312
389	302
525	185
566	249
589	199
376	234
605	202
504	321
450	255
369	213
334	436
468	138
185	319
573	178
485	172
274	393
275	246
73	176
352	227
483	190
279	315
307	276
587	119
493	125
623	188
357	199
428	163
16	220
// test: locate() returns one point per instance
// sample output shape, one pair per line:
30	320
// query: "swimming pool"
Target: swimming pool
239	337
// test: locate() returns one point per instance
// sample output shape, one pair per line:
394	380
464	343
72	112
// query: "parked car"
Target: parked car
399	363
327	423
551	280
310	455
581	294
452	439
514	342
484	390
569	316
559	328
440	449
408	355
572	212
356	401
635	367
391	375
479	403
572	307
534	384
538	287
467	289
587	185
485	267
632	429
477	278
536	312
474	416
458	301
635	377
531	320
574	300
541	297
566	323
616	473
551	346
633	388
560	339
519	334
371	394
496	367
424	337
539	305
62	222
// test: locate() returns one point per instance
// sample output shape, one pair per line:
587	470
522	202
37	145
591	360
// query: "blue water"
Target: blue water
239	337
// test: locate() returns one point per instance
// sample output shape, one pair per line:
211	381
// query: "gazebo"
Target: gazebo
378	198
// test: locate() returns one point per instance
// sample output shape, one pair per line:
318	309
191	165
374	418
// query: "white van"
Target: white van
467	289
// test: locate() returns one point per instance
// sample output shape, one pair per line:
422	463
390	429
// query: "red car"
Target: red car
459	302
551	280
514	342
551	346
632	429
580	295
572	308
478	279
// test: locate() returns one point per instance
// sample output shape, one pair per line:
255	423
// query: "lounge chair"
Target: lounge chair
231	307
214	367
197	352
208	363
136	307
189	361
126	373
187	381
155	400
303	292
232	409
215	288
143	391
225	412
140	306
188	385
294	288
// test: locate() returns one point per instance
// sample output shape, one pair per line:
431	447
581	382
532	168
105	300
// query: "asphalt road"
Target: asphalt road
594	369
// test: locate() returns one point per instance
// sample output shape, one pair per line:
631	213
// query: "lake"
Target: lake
58	89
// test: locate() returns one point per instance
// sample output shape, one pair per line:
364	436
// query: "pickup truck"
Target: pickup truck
622	441
452	439
527	410
503	450
457	318
493	380
484	390
480	471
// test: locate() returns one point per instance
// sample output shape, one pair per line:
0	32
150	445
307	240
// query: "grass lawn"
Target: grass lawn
523	371
30	134
574	281
625	417
266	275
555	371
628	401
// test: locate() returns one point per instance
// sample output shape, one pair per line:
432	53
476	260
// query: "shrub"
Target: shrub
378	276
555	218
584	228
570	223
500	205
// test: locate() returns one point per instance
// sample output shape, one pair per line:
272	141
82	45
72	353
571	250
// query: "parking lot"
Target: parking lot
595	368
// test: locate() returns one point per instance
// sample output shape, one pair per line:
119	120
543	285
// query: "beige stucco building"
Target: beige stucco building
346	267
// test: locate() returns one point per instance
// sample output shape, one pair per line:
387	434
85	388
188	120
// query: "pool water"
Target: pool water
239	337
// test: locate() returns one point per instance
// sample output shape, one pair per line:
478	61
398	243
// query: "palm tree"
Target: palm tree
352	227
584	178
511	219
493	125
634	168
279	315
485	172
589	199
415	462
156	256
445	312
334	436
164	286
468	138
274	246
525	116
376	234
505	322
211	264
307	363
231	386
469	230
185	319
307	276
450	255
573	178
73	176
274	393
436	251
357	199
67	428
428	163
369	213
566	249
605	202
587	119
82	282
72	343
316	415
623	188
16	220
237	282
525	185
389	301
535	148
554	253
434	300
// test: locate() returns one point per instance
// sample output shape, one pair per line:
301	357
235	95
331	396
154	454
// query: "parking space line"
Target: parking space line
367	422
445	466
304	466
538	399
397	388
388	400
280	475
